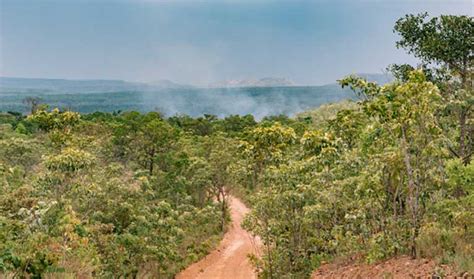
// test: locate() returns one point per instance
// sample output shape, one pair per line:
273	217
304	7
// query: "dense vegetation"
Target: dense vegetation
104	195
129	194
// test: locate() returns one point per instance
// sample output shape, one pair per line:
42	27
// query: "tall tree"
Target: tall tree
33	103
153	139
406	112
447	43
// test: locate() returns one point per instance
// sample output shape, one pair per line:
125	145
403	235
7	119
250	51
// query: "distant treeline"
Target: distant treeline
191	101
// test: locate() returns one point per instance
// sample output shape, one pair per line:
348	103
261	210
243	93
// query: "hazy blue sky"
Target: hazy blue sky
198	42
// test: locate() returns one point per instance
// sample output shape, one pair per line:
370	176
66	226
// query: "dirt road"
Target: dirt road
229	260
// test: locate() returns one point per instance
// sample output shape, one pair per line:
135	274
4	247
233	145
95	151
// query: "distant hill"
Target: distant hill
380	79
80	86
64	86
263	82
268	96
259	101
165	83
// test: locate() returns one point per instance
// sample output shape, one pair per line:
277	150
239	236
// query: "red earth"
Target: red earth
230	260
396	268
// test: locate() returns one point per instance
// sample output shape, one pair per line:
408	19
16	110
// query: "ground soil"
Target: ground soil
395	268
230	259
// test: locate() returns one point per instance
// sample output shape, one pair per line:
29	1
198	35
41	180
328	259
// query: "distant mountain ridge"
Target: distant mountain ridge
166	83
263	82
69	85
16	84
82	86
380	79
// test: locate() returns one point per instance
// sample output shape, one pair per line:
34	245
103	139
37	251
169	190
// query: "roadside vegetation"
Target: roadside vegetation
131	194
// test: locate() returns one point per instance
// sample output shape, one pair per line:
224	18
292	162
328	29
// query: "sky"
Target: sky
202	42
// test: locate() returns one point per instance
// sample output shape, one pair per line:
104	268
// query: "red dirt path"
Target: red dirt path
229	260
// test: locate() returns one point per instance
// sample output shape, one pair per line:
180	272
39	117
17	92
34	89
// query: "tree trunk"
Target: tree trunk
464	151
412	193
151	157
223	208
462	136
150	167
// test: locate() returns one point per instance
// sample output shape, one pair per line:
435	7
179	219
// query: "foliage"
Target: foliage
324	113
132	194
55	119
446	41
90	210
69	160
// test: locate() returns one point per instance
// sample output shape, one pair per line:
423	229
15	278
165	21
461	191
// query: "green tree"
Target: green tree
406	111
221	156
447	41
33	103
152	142
264	146
56	119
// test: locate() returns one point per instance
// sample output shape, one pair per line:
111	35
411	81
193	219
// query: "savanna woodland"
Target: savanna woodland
132	194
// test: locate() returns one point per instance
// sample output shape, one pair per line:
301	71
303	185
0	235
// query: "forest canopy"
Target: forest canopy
138	194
